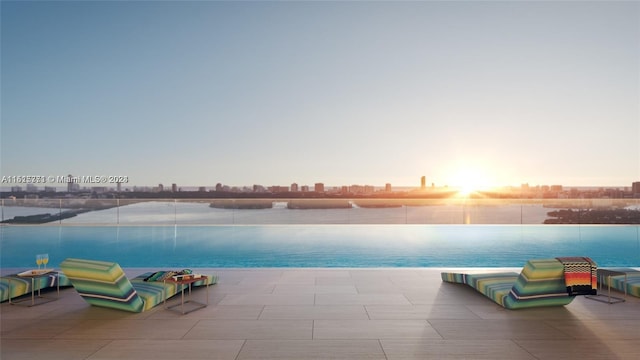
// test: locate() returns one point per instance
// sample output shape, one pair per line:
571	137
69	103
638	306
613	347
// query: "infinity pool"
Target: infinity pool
320	245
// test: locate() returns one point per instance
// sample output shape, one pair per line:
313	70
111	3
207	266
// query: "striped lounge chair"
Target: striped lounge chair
104	284
22	285
542	282
633	281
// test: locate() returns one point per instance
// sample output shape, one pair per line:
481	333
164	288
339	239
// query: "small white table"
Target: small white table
602	273
188	281
33	275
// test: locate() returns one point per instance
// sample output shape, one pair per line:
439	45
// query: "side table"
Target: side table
608	273
187	282
33	275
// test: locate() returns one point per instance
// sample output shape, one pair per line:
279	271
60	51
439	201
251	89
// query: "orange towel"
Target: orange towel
580	275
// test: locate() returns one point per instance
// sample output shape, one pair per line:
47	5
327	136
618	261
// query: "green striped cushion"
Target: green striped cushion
541	283
102	283
22	285
152	291
633	282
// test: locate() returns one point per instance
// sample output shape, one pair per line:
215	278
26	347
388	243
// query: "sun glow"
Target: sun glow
469	180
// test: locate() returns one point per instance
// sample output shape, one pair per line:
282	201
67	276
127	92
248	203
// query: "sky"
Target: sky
274	93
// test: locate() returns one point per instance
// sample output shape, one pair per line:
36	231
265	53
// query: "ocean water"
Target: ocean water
319	245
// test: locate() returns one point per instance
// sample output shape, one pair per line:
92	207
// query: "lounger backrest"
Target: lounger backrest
539	279
102	283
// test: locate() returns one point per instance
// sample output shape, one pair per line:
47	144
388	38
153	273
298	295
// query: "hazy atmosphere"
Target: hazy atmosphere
242	93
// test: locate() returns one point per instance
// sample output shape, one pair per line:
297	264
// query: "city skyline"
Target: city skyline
468	94
73	183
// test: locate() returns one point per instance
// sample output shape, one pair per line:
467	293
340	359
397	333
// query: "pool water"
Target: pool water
320	245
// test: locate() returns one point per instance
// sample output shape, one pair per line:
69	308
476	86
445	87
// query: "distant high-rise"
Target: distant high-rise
294	187
174	187
319	187
387	187
70	183
635	188
423	182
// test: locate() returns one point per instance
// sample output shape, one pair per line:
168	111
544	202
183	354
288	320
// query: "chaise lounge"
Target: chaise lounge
542	282
102	283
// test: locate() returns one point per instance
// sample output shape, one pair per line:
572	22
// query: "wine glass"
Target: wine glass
39	260
45	260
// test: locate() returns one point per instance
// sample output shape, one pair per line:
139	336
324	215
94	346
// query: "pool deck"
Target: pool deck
324	314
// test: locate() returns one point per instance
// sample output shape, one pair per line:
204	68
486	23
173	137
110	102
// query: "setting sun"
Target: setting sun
469	180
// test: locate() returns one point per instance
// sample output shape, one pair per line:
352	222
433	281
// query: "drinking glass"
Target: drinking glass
45	260
39	260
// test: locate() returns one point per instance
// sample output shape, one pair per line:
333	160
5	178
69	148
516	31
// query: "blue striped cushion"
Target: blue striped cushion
541	283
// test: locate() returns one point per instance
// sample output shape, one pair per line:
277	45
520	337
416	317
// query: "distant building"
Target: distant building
556	188
278	189
635	188
72	184
202	189
32	188
304	188
99	189
423	183
294	187
319	188
174	187
160	187
16	189
387	187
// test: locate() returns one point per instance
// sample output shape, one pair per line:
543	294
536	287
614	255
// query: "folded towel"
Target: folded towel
580	275
163	275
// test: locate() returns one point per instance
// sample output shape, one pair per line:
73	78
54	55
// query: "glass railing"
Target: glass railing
320	232
318	211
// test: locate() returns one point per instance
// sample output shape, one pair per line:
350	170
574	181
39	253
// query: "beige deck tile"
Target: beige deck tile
371	288
239	312
373	329
496	329
268	299
313	312
130	329
169	349
49	349
331	281
311	349
408	313
36	329
380	312
493	311
582	349
361	299
243	289
454	349
599	329
314	289
251	329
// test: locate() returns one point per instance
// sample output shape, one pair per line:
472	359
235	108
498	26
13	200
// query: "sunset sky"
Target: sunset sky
272	93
